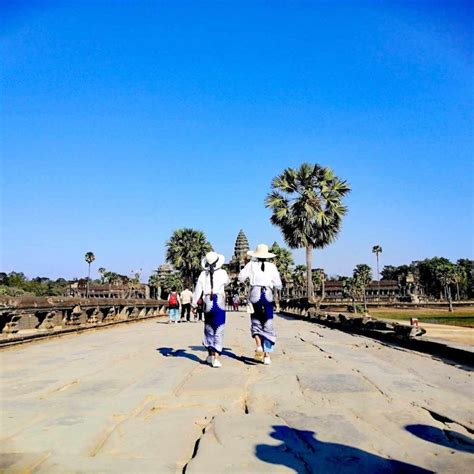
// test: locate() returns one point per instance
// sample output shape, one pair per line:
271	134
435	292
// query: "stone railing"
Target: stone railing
358	323
29	317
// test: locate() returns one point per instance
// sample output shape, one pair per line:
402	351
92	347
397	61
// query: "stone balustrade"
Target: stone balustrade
350	322
23	318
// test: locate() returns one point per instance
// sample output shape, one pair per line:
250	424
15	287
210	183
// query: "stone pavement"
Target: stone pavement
138	398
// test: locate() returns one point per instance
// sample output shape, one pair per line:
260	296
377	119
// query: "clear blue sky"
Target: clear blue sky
122	121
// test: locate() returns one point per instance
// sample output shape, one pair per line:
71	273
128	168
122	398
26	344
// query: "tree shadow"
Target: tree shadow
227	351
301	451
170	352
450	439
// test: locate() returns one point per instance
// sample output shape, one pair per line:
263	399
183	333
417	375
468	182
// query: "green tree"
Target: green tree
184	250
351	287
102	271
283	261
466	277
363	276
377	249
89	258
299	279
447	274
319	280
172	280
307	206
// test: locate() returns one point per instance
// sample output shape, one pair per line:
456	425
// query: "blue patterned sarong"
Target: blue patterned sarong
262	317
214	323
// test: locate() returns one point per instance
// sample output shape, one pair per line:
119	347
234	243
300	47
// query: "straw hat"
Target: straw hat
261	252
211	258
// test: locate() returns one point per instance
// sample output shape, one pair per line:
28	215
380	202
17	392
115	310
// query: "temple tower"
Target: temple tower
240	258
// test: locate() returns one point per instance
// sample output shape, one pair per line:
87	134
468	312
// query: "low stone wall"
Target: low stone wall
303	307
24	318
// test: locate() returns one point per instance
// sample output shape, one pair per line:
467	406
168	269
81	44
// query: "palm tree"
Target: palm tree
102	271
351	287
306	204
184	250
319	280
299	278
377	249
283	261
89	257
447	276
363	276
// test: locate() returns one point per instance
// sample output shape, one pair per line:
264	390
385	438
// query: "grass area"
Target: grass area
459	317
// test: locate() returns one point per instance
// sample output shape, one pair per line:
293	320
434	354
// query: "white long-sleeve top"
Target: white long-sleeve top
203	285
270	278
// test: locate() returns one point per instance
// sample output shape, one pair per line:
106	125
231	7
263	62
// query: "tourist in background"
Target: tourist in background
264	278
211	287
186	299
173	306
235	302
200	309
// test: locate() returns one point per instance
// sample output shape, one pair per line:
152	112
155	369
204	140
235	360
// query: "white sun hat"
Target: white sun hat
212	258
261	252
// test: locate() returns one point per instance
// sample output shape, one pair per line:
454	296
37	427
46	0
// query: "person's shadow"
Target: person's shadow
450	439
170	352
227	352
301	451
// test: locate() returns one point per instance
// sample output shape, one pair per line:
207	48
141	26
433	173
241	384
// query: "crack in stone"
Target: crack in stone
444	419
298	455
373	384
196	445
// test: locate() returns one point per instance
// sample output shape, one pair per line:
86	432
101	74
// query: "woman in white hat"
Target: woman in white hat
211	287
264	277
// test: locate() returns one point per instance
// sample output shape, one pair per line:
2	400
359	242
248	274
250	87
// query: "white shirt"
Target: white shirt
203	285
269	278
186	296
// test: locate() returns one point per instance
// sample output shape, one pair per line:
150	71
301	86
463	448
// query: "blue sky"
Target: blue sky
122	121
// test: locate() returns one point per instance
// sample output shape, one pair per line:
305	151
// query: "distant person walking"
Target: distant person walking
173	306
235	302
211	287
264	278
186	297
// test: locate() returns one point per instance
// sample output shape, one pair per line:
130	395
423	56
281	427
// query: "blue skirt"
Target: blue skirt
214	323
262	321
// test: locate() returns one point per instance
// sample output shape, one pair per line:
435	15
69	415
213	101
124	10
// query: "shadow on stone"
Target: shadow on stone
227	352
450	439
170	352
301	451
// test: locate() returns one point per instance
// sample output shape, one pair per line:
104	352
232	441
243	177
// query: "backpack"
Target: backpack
173	301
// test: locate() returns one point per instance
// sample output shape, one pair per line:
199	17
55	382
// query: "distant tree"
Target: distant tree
351	287
283	261
102	271
307	206
172	280
447	275
377	249
319	280
185	250
363	276
89	257
299	279
466	277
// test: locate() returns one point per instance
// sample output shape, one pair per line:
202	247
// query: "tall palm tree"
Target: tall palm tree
306	204
184	250
363	276
89	258
377	249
